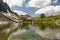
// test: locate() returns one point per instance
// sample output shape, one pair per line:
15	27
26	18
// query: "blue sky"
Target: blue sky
36	7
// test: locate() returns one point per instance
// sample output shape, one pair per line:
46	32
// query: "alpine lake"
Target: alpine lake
29	31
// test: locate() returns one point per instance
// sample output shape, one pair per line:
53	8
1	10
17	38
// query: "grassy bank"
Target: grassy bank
49	19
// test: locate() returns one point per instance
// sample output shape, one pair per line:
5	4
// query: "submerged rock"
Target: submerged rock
26	35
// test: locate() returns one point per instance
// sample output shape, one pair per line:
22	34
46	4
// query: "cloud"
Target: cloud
20	12
39	3
14	2
57	9
48	9
51	10
55	1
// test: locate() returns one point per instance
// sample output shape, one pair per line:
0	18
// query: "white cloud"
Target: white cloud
55	1
48	9
20	12
14	2
57	9
51	10
39	3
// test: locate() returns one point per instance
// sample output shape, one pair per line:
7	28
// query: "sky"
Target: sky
34	7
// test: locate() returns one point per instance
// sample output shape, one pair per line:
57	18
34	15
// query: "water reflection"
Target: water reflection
24	25
26	31
29	34
44	26
5	31
37	32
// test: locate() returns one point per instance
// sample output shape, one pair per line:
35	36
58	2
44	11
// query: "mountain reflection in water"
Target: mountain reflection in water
34	32
26	31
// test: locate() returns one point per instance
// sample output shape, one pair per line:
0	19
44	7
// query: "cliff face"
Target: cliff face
4	7
6	22
3	19
8	17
